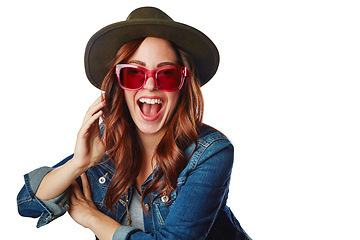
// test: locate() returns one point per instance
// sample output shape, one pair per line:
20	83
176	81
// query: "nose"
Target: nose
150	84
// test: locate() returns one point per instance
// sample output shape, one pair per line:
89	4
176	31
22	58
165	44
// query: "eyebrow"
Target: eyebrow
138	62
141	63
165	64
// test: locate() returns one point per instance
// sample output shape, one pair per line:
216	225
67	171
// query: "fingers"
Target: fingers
73	198
92	115
86	186
98	100
77	194
95	108
76	191
89	122
89	147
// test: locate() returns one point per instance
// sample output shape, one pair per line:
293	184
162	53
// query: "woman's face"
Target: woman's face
150	108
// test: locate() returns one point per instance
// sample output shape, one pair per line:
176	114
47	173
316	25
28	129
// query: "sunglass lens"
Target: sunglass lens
169	79
131	78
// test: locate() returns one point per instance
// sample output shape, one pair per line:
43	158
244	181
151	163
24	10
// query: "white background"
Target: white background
286	94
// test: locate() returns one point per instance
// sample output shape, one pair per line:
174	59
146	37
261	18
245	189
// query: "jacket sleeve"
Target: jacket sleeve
30	206
199	199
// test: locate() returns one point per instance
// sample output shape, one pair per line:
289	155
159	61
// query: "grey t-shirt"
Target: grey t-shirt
136	212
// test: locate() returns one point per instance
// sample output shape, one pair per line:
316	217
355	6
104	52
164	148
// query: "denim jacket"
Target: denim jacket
196	209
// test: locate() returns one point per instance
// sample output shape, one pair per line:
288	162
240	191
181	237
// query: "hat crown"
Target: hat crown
149	22
146	13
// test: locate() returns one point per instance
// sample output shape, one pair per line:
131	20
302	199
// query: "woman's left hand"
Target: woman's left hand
84	212
82	208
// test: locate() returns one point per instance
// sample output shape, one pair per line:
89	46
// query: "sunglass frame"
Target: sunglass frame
151	73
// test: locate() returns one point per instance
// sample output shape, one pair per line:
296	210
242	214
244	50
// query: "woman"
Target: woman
152	170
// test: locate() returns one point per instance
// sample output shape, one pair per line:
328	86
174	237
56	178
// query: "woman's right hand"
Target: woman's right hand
90	148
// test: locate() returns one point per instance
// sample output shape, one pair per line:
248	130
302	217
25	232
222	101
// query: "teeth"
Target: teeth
150	101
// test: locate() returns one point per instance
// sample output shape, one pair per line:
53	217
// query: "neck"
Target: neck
150	143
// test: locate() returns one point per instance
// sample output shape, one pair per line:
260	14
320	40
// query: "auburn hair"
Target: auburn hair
123	143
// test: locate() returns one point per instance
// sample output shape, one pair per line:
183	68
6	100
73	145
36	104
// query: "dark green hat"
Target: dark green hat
149	22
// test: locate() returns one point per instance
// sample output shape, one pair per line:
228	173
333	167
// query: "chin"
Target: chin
149	129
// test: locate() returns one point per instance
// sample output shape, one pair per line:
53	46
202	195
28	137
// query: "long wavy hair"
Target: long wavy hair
123	143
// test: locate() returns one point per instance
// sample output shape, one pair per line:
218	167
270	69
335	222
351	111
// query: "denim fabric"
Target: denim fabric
196	209
30	206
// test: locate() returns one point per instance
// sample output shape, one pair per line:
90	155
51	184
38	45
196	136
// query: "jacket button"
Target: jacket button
102	180
147	207
164	199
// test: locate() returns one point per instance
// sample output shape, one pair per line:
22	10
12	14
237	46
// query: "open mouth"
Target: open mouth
150	107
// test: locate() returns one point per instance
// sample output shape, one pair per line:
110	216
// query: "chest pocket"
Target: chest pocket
162	207
99	178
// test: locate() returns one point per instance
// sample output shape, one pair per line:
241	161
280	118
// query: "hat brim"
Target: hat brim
104	44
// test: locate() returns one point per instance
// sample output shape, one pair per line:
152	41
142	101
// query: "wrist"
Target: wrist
77	166
94	219
102	225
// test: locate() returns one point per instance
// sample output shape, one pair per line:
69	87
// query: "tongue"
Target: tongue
150	109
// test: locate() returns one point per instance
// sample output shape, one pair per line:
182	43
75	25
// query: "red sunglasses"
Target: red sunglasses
168	78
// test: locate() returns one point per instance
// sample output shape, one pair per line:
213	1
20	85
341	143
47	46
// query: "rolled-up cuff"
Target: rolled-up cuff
36	176
55	207
123	232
